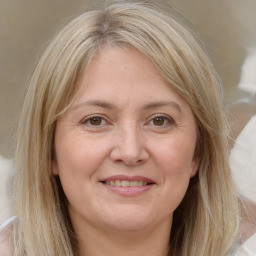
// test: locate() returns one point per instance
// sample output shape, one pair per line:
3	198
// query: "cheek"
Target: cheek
79	155
78	159
176	156
175	160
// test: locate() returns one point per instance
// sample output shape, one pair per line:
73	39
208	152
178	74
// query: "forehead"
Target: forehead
123	73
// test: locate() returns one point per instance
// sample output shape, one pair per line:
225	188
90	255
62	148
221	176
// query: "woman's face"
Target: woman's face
124	149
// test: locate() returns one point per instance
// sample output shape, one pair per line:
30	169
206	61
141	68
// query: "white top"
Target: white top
243	161
243	166
248	248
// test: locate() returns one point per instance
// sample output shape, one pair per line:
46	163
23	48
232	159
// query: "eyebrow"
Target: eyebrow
163	104
98	103
108	105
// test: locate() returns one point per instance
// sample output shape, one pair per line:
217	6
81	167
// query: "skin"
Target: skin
142	128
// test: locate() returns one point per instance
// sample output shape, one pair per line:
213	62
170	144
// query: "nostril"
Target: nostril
128	149
129	162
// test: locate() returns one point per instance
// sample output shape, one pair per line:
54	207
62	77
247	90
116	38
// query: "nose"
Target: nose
129	147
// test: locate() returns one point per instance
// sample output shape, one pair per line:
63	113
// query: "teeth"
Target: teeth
126	183
133	183
117	183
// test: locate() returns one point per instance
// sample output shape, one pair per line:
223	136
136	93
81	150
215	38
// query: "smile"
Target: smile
126	183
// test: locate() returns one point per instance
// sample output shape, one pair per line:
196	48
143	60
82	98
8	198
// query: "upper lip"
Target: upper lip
128	178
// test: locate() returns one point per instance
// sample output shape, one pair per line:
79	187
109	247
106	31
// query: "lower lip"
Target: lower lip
129	191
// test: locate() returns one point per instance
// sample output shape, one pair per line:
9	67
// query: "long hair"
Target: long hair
206	222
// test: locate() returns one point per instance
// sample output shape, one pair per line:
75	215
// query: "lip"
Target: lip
129	178
128	191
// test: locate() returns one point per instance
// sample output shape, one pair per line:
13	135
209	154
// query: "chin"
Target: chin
129	219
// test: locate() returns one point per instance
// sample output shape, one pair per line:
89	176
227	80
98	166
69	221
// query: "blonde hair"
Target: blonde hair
206	222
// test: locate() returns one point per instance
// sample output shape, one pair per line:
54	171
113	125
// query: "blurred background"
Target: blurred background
226	27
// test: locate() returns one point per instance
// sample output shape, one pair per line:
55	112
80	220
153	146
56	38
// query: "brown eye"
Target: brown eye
95	121
159	121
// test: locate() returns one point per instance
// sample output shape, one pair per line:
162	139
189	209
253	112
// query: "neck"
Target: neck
152	241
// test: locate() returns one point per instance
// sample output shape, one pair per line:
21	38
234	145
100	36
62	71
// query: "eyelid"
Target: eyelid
169	119
86	119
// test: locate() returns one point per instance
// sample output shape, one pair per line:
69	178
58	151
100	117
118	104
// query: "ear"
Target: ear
55	169
194	166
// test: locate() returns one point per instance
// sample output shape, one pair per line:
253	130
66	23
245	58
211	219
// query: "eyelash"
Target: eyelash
166	119
88	121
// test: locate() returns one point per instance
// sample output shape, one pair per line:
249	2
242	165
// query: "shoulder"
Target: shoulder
5	238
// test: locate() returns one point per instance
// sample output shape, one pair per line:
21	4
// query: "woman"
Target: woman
122	145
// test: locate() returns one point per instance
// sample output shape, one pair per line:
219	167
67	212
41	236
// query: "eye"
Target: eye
94	121
161	121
